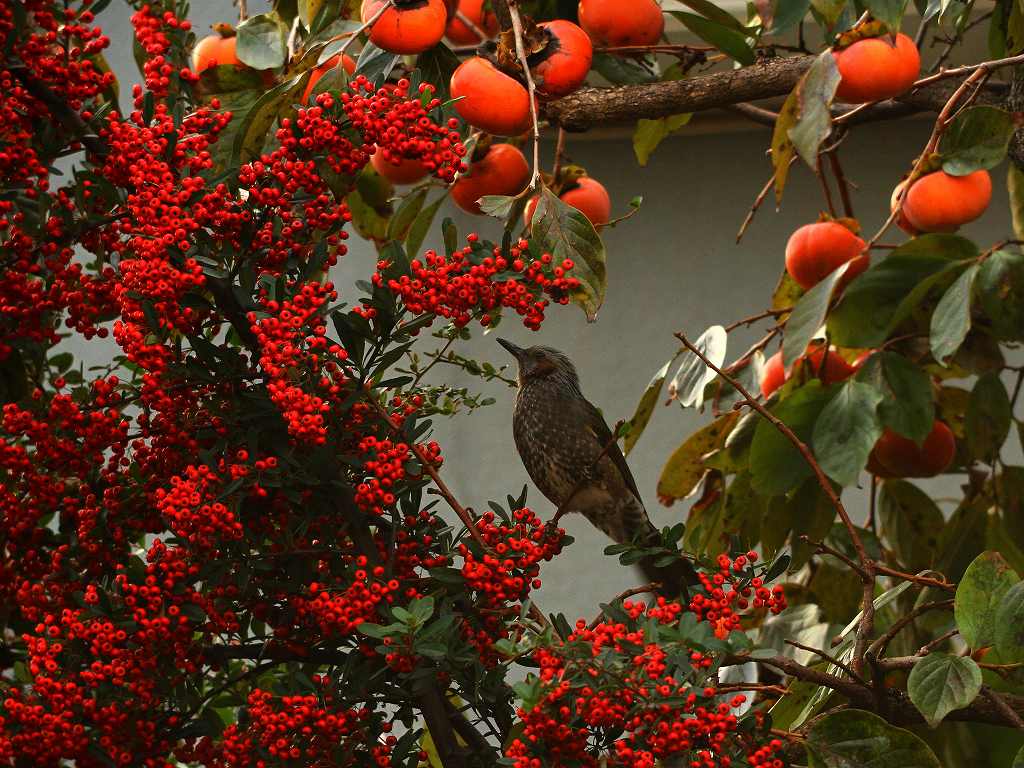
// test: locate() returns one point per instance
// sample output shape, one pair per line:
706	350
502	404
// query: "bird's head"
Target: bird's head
537	363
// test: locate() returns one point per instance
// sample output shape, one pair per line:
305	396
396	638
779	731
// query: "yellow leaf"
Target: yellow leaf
685	467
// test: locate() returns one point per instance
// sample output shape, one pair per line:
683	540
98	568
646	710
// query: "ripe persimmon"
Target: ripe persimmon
835	369
563	65
489	99
874	69
940	202
503	170
408	26
214	51
614	22
897	456
406	171
485	21
586	195
349	64
816	250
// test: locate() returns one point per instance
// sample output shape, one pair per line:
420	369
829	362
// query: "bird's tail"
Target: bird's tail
674	574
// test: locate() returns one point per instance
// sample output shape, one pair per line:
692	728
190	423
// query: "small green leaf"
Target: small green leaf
1015	186
650	133
829	10
262	42
940	683
408	209
1009	621
978	596
436	67
1018	761
854	738
808	316
988	419
976	140
889	12
253	130
567	234
847	430
693	375
727	39
498	206
775	463
645	408
952	317
421	226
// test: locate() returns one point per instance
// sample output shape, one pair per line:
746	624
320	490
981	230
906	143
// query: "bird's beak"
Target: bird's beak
512	348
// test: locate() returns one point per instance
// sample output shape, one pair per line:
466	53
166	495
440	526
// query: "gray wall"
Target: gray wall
674	266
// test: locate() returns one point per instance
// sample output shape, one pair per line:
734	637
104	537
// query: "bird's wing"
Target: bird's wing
596	424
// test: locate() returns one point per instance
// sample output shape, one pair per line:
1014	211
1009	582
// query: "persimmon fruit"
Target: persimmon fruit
836	368
617	23
563	65
586	195
215	51
503	170
408	26
484	20
897	456
349	64
489	99
816	250
941	202
874	69
406	171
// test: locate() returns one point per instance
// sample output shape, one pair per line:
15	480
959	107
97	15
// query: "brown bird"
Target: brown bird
574	459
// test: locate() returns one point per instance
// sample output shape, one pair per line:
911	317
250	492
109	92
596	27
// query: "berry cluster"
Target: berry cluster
476	281
387	461
635	686
153	31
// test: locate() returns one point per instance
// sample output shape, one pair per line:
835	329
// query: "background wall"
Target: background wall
674	266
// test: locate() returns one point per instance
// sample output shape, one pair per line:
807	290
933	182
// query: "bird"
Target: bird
574	459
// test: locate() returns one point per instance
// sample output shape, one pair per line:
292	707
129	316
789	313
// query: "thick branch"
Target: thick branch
590	107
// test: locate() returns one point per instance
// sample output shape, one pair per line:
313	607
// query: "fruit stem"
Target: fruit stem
366	25
243	10
531	87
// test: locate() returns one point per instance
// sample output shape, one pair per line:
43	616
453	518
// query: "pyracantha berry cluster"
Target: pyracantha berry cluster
477	281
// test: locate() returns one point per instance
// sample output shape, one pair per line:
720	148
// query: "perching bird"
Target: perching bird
569	451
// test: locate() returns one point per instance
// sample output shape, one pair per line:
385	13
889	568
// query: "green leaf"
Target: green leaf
693	375
684	468
645	408
421	226
813	515
567	234
847	430
786	14
941	683
436	67
808	316
622	71
911	523
727	39
253	130
854	738
1018	761
907	407
817	89
498	206
1009	621
650	133
829	10
989	416
952	317
262	42
889	12
885	295
308	10
1000	293
976	140
979	594
775	463
709	10
405	216
375	63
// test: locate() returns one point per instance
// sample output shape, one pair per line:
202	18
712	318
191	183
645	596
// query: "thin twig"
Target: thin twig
366	25
632	592
924	581
531	87
556	168
1004	709
829	658
243	10
841	182
754	318
878	646
757	204
471	26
